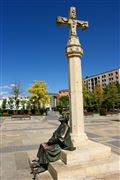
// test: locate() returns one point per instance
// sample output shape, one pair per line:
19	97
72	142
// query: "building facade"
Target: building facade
102	79
64	92
53	100
20	98
54	97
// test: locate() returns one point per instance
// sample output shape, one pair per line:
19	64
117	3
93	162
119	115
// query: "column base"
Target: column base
79	139
91	151
86	162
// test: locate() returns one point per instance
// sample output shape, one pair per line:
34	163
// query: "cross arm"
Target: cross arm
82	24
62	20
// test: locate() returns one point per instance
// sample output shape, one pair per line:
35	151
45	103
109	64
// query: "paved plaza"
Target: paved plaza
20	139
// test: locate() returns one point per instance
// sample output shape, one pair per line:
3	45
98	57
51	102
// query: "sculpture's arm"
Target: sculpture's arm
61	20
63	133
82	24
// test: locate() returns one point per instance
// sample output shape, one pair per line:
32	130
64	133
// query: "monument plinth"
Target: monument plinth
90	159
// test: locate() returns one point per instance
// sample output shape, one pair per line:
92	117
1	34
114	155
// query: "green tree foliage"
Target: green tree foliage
17	103
11	103
87	98
39	94
98	96
64	101
109	98
23	102
28	105
16	89
4	104
112	95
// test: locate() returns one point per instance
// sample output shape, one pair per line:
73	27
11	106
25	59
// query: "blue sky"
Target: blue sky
33	47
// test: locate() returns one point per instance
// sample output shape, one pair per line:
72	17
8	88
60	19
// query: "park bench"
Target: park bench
24	116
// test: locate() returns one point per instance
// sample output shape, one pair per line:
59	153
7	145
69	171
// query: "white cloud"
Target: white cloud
7	86
4	90
12	85
4	87
3	93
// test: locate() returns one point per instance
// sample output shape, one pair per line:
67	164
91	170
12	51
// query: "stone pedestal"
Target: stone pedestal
87	162
92	151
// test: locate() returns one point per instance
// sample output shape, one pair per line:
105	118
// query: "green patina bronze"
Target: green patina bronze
51	151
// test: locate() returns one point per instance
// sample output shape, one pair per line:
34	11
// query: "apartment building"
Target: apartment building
103	79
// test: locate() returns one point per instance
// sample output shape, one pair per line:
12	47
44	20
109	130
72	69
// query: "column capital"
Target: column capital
74	48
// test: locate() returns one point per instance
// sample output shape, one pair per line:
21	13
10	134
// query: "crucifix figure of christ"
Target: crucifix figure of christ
74	53
72	22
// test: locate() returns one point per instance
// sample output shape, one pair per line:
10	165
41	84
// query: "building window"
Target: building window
103	76
116	72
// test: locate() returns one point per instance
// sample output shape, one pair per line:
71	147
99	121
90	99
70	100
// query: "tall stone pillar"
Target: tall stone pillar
74	54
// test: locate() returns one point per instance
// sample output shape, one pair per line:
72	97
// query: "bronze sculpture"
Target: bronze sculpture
50	151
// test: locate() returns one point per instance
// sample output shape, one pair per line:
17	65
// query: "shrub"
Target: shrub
25	111
10	112
19	112
103	112
5	114
33	111
42	111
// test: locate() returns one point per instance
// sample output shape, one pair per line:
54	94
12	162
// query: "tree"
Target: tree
28	105
10	102
4	104
16	89
23	102
87	98
39	93
64	101
17	102
111	95
98	96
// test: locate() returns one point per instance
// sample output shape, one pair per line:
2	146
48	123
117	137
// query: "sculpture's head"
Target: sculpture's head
64	119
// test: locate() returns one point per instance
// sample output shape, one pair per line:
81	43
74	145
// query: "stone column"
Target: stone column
74	53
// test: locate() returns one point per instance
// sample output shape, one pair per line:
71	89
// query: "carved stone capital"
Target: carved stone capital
74	51
73	48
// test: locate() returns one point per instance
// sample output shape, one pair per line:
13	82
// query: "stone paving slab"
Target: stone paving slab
20	139
10	149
